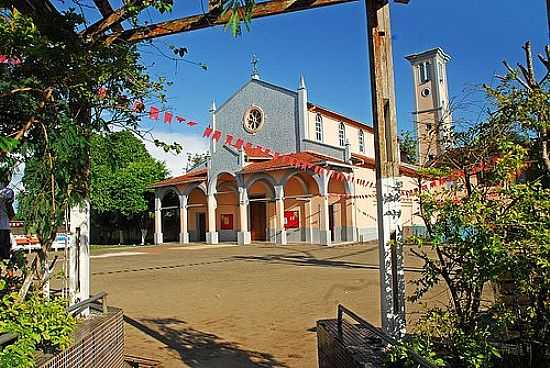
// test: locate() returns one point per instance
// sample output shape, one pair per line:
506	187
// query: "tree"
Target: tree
196	159
64	84
122	174
407	144
489	227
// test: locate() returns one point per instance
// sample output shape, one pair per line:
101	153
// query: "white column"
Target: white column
354	229
352	234
184	234
243	236
158	220
324	222
280	215
212	234
307	222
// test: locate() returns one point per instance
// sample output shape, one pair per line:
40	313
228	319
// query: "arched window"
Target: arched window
319	127
425	72
361	141
342	134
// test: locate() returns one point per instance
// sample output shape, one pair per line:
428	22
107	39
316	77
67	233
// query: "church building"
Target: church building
248	193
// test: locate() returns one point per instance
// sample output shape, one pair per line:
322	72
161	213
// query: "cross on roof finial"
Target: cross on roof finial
255	70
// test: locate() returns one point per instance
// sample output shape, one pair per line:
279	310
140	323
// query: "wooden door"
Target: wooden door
258	221
201	226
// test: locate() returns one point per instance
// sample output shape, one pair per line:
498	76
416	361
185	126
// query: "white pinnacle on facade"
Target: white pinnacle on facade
302	82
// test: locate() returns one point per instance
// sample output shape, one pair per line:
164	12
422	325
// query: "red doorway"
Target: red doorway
258	221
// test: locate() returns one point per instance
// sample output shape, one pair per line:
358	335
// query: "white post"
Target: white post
79	254
158	220
184	234
243	236
84	256
280	209
73	268
212	234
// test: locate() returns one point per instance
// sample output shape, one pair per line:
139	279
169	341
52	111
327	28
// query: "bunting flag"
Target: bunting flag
101	92
216	136
239	144
168	117
154	113
7	60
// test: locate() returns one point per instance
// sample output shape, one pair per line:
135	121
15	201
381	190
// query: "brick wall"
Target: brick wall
99	342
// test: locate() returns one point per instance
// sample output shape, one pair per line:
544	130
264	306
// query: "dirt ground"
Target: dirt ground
236	306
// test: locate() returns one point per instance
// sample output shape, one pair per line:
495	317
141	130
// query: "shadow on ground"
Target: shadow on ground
298	260
202	349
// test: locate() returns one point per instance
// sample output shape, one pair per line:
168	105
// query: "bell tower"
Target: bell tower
432	115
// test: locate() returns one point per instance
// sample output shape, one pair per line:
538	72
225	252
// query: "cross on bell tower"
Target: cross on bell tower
255	69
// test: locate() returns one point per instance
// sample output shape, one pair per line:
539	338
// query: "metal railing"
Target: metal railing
72	309
423	362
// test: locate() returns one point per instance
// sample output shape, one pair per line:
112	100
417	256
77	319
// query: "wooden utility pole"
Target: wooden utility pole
392	278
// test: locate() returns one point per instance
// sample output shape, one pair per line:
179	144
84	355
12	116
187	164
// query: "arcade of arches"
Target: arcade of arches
279	206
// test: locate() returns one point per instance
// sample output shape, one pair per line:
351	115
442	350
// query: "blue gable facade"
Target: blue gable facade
280	129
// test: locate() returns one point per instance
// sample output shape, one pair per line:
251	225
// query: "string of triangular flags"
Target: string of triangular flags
154	113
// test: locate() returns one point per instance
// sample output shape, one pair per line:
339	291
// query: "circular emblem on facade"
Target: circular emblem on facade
253	120
425	92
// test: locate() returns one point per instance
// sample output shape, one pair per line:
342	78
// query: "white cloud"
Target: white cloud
176	163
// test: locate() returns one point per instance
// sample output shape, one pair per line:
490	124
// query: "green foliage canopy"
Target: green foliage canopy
122	173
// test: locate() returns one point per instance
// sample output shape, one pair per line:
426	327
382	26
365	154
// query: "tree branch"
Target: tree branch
116	17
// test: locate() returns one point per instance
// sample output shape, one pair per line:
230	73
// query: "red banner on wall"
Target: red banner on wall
227	221
292	220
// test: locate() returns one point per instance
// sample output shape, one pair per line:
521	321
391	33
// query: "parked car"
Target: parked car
61	241
31	242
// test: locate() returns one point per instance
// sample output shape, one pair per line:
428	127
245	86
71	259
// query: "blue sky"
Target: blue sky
328	46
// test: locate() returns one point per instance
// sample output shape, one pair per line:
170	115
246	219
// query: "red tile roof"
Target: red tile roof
288	160
192	176
369	162
256	152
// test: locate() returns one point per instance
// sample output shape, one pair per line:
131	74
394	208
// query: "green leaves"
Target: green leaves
490	229
39	324
240	11
8	144
122	172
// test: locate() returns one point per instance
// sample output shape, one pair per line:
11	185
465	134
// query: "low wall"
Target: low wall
98	342
354	348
